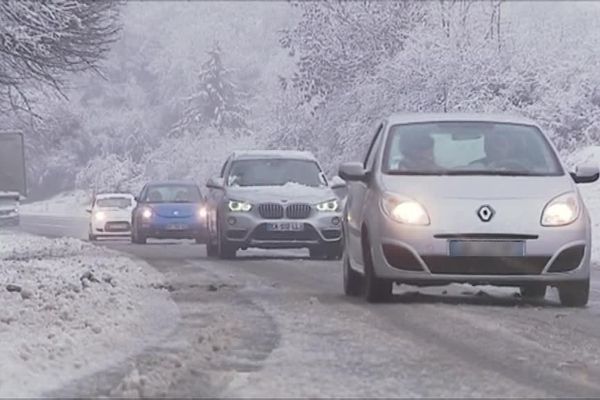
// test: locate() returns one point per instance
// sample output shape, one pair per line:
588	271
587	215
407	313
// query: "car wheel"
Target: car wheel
225	250
92	238
335	251
317	253
376	290
574	294
533	291
353	281
136	237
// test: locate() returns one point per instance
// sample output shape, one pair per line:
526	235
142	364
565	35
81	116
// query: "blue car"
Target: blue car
169	210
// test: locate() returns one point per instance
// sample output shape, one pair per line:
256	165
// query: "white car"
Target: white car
110	215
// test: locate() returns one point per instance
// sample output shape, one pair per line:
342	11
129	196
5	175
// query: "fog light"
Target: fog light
335	220
232	220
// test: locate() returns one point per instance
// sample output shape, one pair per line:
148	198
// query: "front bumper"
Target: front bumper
421	255
111	227
250	230
173	228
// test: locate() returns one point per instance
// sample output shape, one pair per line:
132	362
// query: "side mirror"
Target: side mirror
353	171
586	174
337	183
88	210
215	183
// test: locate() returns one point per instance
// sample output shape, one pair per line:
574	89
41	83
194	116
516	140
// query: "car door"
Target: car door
357	200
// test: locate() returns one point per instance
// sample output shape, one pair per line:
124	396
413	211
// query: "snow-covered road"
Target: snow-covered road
277	324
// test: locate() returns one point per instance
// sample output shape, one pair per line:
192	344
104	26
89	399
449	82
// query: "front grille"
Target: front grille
308	234
117	227
568	259
298	211
6	212
270	211
401	258
486	265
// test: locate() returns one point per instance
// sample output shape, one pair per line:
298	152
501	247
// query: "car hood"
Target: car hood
286	193
453	202
175	210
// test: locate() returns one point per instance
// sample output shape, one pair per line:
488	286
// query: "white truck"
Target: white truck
13	182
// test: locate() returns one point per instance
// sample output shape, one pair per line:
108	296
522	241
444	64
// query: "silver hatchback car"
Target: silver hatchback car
465	198
274	200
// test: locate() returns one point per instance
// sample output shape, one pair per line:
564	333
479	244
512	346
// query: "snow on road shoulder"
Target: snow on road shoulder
68	204
70	309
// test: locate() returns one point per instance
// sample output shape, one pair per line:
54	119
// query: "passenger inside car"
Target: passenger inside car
417	153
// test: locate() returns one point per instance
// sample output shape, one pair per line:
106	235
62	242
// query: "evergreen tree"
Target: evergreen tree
216	101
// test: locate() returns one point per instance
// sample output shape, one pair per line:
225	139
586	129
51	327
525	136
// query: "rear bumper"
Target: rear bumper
10	220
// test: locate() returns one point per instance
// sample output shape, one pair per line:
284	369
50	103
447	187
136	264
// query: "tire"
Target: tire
317	253
225	250
574	294
376	290
353	281
212	249
92	238
533	291
335	251
136	237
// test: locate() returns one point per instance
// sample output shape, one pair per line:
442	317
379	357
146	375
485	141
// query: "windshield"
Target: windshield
469	148
173	194
118	202
275	172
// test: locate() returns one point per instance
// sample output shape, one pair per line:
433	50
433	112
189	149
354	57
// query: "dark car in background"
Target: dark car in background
169	210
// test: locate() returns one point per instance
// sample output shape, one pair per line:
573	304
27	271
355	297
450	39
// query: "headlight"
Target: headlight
404	210
100	216
239	206
147	213
328	206
562	210
202	213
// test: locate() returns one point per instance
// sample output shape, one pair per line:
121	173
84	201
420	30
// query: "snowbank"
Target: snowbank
70	309
68	204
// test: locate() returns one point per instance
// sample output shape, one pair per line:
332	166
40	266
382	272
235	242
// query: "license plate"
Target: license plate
285	227
479	248
120	225
176	227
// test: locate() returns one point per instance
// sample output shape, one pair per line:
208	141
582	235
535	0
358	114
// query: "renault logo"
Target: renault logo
485	213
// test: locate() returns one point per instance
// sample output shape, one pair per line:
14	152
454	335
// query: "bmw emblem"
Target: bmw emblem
485	213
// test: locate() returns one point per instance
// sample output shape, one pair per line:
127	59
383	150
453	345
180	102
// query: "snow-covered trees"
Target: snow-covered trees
450	56
216	101
336	43
42	41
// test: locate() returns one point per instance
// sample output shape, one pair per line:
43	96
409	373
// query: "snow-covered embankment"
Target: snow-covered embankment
70	309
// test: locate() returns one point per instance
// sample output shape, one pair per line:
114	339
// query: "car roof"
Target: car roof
459	117
112	195
261	154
